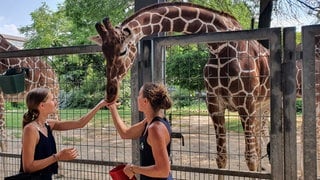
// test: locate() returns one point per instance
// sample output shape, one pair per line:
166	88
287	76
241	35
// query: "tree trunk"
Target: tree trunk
265	17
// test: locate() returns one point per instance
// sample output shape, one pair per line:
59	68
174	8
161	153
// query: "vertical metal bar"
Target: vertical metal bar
157	64
138	77
276	134
135	85
289	87
309	109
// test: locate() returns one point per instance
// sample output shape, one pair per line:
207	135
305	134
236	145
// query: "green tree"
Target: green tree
185	66
72	24
49	29
240	10
185	63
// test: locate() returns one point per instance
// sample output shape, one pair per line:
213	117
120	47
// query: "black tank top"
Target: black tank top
46	147
146	151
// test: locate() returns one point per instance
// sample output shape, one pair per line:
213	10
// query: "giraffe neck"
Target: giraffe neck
45	77
6	45
6	63
178	17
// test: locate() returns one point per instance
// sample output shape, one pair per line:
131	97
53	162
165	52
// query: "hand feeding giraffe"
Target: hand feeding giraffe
236	76
40	74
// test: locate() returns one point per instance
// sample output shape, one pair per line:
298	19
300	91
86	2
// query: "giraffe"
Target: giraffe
236	75
40	74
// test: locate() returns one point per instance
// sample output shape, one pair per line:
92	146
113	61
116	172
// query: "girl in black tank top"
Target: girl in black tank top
39	154
154	132
146	150
45	148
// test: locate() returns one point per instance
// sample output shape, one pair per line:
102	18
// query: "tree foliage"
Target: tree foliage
49	29
74	22
185	66
287	10
185	63
240	10
294	8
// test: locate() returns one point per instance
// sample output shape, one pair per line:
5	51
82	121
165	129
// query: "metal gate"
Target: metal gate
311	77
188	158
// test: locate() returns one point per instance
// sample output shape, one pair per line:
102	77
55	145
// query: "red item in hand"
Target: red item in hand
118	174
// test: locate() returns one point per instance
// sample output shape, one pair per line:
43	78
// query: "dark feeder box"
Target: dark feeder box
12	84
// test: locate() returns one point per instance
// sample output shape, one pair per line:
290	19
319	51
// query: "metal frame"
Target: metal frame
309	99
277	133
283	119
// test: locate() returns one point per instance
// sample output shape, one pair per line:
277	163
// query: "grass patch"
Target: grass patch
14	117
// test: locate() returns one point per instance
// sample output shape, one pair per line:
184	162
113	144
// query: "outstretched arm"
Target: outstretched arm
67	125
125	132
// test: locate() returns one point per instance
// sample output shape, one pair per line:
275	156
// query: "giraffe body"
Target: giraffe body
40	74
236	75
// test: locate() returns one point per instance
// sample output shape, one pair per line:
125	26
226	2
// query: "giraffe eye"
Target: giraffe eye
126	32
123	52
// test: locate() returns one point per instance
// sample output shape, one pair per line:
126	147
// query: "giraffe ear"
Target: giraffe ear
96	39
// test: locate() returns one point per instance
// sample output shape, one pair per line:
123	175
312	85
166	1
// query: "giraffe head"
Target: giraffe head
119	52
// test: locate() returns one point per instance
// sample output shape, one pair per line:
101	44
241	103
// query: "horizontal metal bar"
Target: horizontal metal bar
258	34
52	51
173	167
225	172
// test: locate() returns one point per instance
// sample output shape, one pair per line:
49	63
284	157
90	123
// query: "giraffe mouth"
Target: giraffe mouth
112	90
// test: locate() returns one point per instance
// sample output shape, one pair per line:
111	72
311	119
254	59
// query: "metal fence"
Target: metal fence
193	147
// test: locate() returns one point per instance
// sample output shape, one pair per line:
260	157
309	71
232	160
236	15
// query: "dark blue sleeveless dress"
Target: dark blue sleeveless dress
46	147
146	151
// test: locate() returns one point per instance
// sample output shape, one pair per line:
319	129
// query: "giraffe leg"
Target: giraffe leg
217	116
3	138
265	123
216	112
251	153
3	133
221	141
259	130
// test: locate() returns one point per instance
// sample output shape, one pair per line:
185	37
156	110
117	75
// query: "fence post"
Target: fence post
289	87
309	108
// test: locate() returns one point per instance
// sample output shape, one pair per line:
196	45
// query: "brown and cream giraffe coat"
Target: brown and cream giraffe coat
40	74
236	75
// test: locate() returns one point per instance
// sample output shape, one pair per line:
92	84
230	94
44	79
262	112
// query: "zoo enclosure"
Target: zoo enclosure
282	134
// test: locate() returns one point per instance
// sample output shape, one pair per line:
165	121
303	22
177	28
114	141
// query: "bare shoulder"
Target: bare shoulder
158	134
157	127
30	130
